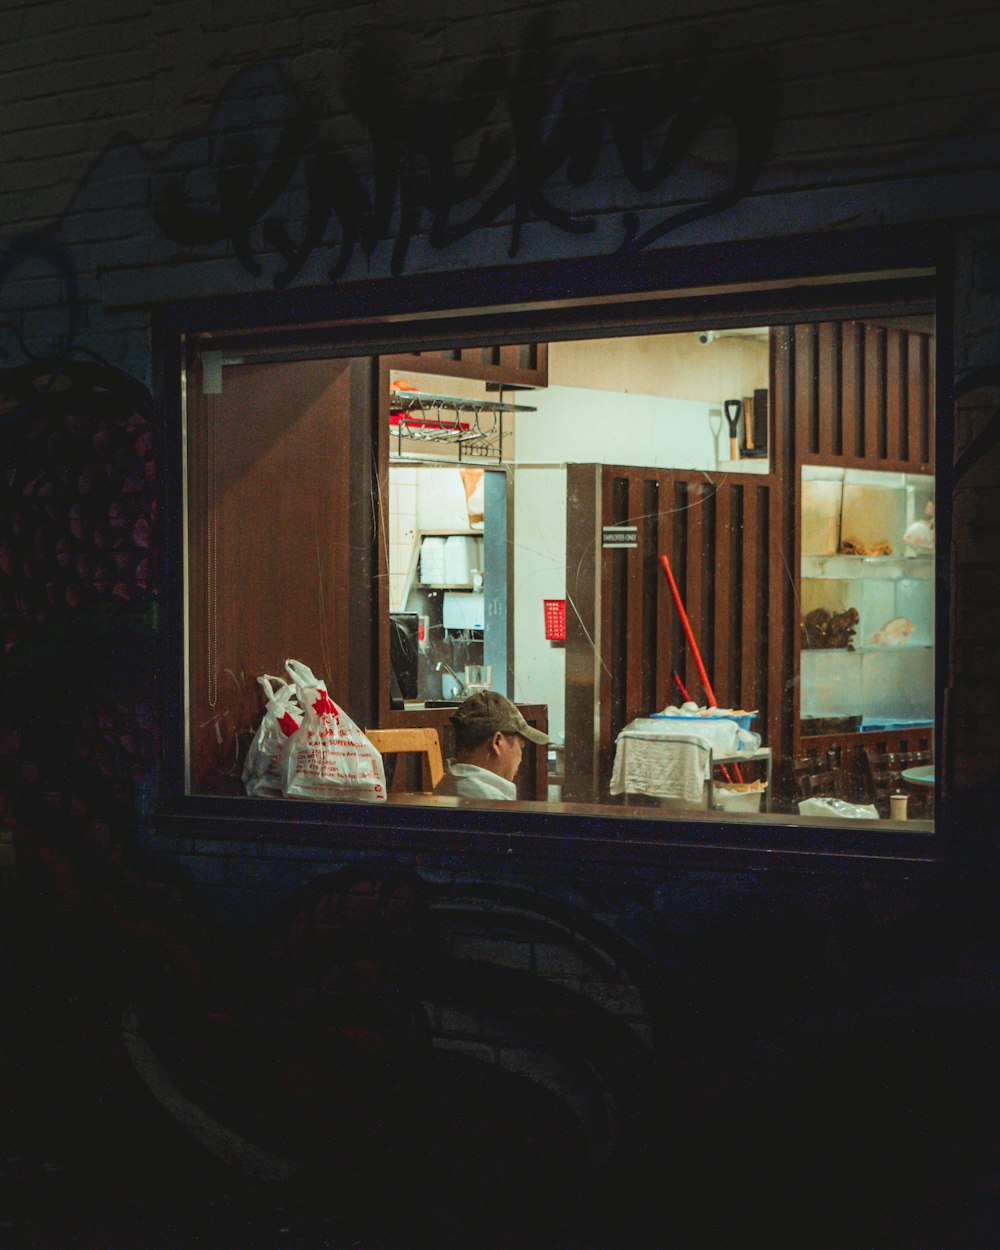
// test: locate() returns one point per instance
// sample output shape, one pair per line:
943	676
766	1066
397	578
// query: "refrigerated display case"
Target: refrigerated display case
866	659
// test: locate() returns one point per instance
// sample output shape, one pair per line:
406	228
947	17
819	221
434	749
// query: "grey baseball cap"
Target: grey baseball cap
485	713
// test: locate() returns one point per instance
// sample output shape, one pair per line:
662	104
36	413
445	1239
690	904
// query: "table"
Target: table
678	763
922	775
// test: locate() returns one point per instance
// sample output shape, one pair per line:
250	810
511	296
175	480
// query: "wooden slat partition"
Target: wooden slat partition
805	371
861	396
828	393
715	530
673	525
694	575
917	406
722	660
657	685
927	446
782	584
635	680
521	364
874	393
851	380
896	432
614	635
750	637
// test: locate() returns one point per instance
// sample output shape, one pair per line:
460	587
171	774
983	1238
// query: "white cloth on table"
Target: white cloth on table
672	759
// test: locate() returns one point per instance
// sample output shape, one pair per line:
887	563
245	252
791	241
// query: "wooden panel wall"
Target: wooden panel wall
280	547
716	532
514	364
862	395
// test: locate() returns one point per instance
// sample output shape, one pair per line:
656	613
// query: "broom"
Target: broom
689	634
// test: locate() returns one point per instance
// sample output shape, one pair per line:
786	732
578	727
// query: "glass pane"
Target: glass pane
700	564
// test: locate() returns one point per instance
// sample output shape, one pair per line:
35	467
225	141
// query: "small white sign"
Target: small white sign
620	536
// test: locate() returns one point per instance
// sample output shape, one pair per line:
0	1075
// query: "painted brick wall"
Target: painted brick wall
878	115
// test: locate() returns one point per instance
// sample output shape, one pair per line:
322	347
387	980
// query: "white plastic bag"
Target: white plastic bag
328	756
838	808
282	716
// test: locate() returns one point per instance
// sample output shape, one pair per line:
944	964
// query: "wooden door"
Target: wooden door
280	546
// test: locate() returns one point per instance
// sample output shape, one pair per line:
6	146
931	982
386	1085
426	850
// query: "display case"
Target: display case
866	647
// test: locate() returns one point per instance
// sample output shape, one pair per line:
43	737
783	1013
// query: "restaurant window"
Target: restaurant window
700	561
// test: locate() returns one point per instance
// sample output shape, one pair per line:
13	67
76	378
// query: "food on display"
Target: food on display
853	547
823	630
920	535
893	633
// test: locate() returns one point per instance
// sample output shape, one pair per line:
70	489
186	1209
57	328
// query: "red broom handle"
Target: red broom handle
689	634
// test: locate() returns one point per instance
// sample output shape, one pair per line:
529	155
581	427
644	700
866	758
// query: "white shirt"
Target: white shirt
469	781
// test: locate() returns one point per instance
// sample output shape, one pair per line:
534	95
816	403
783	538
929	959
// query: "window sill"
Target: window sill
535	833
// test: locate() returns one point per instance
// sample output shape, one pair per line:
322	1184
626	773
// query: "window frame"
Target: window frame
849	273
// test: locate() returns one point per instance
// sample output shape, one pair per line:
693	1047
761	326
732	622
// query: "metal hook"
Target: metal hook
486	435
455	430
407	413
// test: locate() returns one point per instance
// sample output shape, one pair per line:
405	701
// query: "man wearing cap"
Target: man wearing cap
489	739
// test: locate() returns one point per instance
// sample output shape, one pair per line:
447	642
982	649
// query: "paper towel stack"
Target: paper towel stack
459	560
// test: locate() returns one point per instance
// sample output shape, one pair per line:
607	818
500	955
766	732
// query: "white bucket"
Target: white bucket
731	800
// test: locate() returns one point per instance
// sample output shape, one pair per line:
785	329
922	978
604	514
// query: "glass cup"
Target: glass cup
478	677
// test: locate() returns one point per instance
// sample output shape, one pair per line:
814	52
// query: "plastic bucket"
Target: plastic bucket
731	800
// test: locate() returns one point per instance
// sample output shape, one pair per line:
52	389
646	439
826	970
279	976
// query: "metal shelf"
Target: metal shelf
848	568
421	401
474	428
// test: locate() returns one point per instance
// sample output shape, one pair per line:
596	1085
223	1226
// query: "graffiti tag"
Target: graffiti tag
491	155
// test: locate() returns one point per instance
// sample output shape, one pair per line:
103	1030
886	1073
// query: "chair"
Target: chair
824	784
816	776
884	771
423	741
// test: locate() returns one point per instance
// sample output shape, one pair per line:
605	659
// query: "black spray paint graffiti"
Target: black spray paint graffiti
524	132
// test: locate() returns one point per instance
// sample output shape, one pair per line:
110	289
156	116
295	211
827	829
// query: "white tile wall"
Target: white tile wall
402	530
